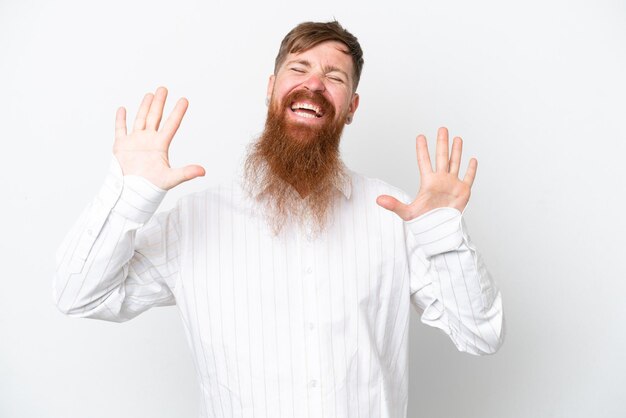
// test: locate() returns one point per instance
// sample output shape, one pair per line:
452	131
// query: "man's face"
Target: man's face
314	88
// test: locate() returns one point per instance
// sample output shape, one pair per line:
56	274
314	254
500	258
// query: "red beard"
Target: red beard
294	168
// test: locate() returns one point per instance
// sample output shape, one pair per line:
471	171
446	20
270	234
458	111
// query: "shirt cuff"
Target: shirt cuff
138	199
437	231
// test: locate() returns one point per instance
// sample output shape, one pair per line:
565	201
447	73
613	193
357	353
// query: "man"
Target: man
294	285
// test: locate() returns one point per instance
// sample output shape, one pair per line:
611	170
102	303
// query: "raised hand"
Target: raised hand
440	187
145	151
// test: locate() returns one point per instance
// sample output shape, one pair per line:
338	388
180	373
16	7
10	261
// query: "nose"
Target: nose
314	83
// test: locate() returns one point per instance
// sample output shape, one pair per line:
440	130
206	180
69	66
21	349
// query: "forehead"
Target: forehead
330	53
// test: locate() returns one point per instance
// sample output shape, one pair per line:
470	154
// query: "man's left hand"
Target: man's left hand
441	187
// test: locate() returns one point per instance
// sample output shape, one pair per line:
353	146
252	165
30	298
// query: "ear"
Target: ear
270	85
354	104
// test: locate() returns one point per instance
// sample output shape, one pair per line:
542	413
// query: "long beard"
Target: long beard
293	169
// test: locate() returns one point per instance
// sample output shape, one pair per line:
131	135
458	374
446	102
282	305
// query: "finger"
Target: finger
173	121
455	155
140	119
180	175
156	109
423	158
470	174
441	152
120	123
394	205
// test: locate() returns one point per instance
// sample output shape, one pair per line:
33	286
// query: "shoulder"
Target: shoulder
362	184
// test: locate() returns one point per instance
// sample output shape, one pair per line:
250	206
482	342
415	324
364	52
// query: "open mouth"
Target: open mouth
307	110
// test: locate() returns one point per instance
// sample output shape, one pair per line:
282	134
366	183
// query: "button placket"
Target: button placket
311	314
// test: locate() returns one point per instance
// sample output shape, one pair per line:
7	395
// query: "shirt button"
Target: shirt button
309	270
89	232
311	326
313	383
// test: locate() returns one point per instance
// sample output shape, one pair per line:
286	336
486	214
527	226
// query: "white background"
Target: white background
536	88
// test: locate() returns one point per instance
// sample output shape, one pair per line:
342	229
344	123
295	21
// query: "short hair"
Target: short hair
309	34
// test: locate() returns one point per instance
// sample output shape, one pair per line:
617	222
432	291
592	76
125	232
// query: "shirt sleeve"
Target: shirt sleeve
118	260
450	284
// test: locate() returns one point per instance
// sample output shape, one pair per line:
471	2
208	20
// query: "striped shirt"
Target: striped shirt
289	325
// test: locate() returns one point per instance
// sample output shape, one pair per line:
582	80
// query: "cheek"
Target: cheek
342	104
284	85
340	99
282	91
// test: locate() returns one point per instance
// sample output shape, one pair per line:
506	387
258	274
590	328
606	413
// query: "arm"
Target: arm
116	261
450	284
114	264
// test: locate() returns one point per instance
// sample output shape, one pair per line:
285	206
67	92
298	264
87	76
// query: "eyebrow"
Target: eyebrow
326	68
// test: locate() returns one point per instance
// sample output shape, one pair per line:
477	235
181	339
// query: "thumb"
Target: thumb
183	174
394	205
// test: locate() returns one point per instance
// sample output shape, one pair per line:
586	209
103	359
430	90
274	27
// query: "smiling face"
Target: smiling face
314	88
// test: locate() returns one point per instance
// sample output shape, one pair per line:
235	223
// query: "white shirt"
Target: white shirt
293	325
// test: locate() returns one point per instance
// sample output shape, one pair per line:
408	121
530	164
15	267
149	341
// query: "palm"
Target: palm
440	187
144	152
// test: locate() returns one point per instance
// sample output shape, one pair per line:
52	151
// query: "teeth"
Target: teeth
308	106
306	115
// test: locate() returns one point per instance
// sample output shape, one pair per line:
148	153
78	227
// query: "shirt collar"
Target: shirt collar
343	182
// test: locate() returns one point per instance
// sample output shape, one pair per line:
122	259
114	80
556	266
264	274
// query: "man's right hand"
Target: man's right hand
145	151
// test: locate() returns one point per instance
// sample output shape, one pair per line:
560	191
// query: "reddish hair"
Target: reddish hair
309	34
